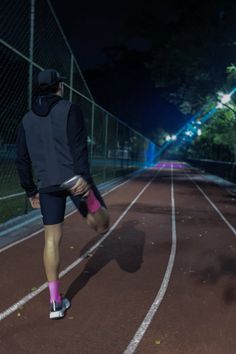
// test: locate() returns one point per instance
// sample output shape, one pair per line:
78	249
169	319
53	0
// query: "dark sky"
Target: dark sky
91	26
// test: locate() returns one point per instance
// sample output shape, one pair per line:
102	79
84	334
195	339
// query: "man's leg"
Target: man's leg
99	221
93	208
53	210
51	255
98	217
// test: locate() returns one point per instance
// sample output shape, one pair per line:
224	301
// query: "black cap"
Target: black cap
49	77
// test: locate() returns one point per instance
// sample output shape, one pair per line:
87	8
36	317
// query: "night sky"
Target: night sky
92	26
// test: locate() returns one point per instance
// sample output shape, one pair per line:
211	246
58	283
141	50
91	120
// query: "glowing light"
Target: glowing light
189	133
174	137
199	132
224	98
219	105
168	138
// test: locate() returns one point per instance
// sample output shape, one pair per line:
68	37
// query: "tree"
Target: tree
191	45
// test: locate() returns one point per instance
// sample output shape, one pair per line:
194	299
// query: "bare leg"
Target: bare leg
51	256
99	221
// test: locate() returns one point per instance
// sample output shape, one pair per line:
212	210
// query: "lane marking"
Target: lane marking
31	295
161	293
66	216
213	205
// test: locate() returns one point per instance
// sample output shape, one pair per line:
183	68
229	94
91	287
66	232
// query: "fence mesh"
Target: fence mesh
32	39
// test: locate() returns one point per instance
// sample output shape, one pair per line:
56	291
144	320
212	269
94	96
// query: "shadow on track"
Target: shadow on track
125	245
211	275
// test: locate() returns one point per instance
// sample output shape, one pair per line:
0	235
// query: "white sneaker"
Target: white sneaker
58	309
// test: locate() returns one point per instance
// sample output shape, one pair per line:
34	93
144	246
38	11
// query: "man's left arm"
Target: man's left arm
24	165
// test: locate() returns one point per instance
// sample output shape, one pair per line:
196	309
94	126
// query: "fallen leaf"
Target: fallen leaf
158	341
34	288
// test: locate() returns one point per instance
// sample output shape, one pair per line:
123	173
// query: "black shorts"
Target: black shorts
53	205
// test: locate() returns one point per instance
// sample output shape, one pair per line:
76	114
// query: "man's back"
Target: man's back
54	136
46	137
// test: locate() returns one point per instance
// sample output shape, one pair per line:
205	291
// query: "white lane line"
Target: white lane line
71	213
161	293
31	295
213	205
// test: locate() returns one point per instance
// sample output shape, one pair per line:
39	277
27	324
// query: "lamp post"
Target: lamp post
223	99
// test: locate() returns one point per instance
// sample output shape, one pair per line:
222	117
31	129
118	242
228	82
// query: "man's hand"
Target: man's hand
34	201
80	188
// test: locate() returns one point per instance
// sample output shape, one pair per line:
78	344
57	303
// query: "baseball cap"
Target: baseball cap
49	77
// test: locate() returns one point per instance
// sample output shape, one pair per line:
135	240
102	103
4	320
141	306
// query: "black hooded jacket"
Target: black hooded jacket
77	141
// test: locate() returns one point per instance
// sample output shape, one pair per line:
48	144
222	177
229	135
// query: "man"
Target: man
52	138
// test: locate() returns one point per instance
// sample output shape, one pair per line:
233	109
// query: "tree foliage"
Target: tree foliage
191	46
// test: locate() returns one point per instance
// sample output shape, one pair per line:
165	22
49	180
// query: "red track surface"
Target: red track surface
113	290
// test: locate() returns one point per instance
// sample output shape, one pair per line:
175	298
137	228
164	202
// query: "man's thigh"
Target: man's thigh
53	207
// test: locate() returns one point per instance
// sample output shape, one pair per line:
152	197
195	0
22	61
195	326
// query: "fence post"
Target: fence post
31	57
105	149
92	133
71	75
31	52
106	134
117	161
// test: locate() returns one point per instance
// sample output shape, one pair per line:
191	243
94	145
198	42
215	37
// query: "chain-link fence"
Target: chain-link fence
32	39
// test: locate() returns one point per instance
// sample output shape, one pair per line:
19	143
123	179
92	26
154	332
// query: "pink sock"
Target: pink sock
92	202
54	291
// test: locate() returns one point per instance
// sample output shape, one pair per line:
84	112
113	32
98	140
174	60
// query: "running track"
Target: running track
161	281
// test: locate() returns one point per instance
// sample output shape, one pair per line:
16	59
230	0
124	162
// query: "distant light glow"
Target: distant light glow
219	105
225	98
168	164
174	137
199	132
168	138
189	133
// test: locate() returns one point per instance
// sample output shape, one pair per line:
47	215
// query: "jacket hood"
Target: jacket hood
43	104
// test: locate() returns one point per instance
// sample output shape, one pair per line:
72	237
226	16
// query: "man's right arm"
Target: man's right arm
77	139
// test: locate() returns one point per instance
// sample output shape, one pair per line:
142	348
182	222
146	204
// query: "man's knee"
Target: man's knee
53	233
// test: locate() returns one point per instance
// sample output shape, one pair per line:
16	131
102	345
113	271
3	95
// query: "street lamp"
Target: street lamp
199	132
224	99
168	138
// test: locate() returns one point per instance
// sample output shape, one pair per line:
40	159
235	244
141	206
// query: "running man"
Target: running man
52	138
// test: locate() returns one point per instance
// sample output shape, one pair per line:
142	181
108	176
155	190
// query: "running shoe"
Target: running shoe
58	309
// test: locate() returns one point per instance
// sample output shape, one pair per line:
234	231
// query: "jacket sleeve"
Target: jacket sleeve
77	139
23	164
